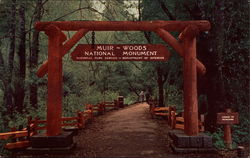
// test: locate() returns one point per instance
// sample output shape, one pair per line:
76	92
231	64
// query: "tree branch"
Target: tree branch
132	88
164	78
67	14
147	36
136	66
89	8
139	10
165	9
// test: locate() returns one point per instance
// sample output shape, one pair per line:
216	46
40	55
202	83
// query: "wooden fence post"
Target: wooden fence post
80	120
173	119
35	125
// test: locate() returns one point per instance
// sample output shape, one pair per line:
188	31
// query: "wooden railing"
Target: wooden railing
175	120
110	104
20	138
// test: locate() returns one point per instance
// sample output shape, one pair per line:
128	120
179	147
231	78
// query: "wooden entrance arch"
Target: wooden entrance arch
58	47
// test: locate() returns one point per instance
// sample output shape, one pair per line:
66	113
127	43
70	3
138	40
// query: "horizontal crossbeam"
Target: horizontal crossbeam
203	25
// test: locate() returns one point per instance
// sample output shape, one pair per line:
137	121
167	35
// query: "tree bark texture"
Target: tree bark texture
34	56
216	91
8	93
160	82
190	88
20	83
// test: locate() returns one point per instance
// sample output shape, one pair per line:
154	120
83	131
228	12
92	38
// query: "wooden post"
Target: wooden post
170	117
35	126
91	111
227	133
104	107
173	119
54	101
80	120
115	104
228	118
191	127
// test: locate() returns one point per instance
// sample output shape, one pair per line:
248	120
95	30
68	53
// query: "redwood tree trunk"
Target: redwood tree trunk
8	93
216	93
160	82
34	56
20	83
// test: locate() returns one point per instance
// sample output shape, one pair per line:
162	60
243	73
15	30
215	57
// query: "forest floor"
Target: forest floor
127	133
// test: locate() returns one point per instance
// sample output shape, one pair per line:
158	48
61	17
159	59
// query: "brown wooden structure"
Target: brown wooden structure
20	139
58	47
228	118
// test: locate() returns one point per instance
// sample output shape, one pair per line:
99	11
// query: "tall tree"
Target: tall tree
34	55
8	93
150	11
217	100
20	81
161	79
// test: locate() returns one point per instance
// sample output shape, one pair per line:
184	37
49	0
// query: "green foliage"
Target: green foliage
218	141
130	99
93	82
241	132
174	97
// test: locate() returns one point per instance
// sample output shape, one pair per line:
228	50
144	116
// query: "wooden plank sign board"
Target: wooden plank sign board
120	52
228	118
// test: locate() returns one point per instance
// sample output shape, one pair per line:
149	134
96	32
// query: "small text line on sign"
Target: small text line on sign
228	118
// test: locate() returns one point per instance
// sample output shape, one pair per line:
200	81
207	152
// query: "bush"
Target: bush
241	132
130	99
174	97
240	135
218	141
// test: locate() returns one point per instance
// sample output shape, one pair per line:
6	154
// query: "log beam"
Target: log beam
190	32
203	25
168	38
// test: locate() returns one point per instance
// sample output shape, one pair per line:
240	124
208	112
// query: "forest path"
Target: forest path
127	133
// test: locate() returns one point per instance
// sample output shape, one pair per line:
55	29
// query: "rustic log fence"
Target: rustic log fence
20	138
175	120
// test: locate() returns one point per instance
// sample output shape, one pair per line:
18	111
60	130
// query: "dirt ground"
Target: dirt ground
127	133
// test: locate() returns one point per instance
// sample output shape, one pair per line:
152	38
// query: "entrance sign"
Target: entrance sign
59	45
228	118
120	52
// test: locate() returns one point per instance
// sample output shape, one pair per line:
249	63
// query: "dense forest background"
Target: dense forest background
223	50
